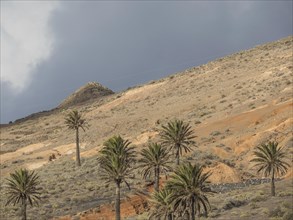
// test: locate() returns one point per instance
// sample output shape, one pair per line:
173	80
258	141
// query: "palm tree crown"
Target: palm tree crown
22	188
155	160
178	136
162	201
189	186
74	120
116	160
269	158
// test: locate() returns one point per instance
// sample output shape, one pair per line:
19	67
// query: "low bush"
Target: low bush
287	205
253	205
258	198
286	193
228	162
234	203
215	133
276	212
288	215
244	214
265	211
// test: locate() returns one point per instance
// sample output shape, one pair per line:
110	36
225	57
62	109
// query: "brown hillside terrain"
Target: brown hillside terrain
90	91
233	104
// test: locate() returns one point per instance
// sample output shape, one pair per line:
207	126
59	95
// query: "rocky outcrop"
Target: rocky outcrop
91	90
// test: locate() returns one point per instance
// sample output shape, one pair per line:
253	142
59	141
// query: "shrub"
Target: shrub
286	193
220	145
229	163
265	211
258	198
253	205
210	156
214	214
233	203
215	133
17	161
276	212
288	215
244	214
286	205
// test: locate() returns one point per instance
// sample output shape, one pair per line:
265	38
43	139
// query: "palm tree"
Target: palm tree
269	159
178	136
22	188
116	159
74	120
162	201
189	186
155	160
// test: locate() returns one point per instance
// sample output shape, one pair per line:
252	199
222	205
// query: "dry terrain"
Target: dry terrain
233	104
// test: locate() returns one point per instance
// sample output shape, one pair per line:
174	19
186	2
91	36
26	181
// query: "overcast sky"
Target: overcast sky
50	49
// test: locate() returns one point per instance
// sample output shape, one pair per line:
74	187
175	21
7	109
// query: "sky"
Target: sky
51	48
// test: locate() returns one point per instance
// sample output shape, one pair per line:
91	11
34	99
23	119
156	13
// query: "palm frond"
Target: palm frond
22	187
177	136
189	183
161	203
268	158
74	120
116	160
155	155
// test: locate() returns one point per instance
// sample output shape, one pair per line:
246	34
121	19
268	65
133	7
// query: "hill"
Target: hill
88	92
233	104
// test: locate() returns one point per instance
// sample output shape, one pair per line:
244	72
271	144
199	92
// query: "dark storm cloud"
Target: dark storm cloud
121	44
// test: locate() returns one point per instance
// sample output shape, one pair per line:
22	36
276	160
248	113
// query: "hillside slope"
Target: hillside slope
233	104
90	91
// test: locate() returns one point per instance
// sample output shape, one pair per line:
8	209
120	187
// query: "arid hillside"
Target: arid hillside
233	104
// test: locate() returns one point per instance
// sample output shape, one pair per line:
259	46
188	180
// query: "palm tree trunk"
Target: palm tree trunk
192	213
23	209
157	178
77	148
273	193
177	154
117	203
